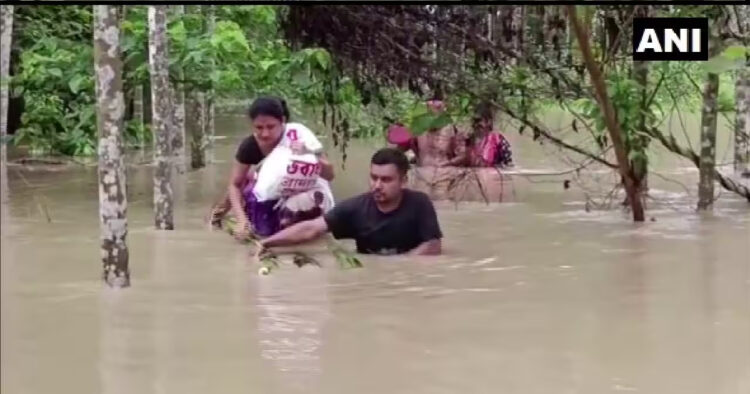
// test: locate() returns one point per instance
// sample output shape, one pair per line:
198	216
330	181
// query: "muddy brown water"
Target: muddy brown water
534	295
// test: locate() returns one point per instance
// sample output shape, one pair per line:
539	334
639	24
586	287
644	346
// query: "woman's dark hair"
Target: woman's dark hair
269	106
484	110
391	156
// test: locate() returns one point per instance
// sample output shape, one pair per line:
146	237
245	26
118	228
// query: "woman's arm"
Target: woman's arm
326	168
236	182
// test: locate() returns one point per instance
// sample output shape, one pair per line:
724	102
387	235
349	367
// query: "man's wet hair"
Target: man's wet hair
391	156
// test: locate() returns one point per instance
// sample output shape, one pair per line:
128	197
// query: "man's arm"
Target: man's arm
297	233
429	230
432	247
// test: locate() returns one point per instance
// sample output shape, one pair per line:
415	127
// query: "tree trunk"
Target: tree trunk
491	11
197	127
538	26
615	134
505	37
208	102
6	36
148	115
554	29
162	116
516	28
110	107
138	106
709	117
554	32
177	90
742	122
740	22
708	143
146	92
640	142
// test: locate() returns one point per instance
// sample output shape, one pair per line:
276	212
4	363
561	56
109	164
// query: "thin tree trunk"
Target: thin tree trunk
608	110
6	36
516	28
554	29
127	91
742	122
505	37
148	116
138	105
708	142
110	107
740	22
570	39
554	32
538	33
177	90
146	92
709	117
491	23
670	142
162	116
197	127
209	97
640	142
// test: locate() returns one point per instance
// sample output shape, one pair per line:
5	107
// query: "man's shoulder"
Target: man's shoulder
358	200
417	196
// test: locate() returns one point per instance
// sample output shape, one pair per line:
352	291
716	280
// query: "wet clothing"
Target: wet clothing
493	149
398	231
270	216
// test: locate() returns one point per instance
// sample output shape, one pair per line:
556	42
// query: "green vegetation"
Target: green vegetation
280	50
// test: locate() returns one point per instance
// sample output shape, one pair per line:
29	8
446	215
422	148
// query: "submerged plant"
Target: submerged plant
269	260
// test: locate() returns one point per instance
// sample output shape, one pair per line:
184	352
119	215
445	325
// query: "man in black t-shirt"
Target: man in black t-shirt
389	219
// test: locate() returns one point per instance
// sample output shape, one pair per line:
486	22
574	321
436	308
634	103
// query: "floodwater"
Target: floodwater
546	293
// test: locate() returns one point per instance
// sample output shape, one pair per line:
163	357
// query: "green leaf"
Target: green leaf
421	123
76	82
736	52
440	121
178	33
266	64
323	58
719	64
55	72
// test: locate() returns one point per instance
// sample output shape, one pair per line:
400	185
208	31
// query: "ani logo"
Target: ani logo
670	39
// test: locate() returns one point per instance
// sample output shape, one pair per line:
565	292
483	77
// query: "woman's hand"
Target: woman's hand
242	231
298	148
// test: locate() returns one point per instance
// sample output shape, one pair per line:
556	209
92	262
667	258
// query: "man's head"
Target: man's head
388	169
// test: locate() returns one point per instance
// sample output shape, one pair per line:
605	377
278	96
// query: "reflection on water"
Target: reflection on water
532	296
293	309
